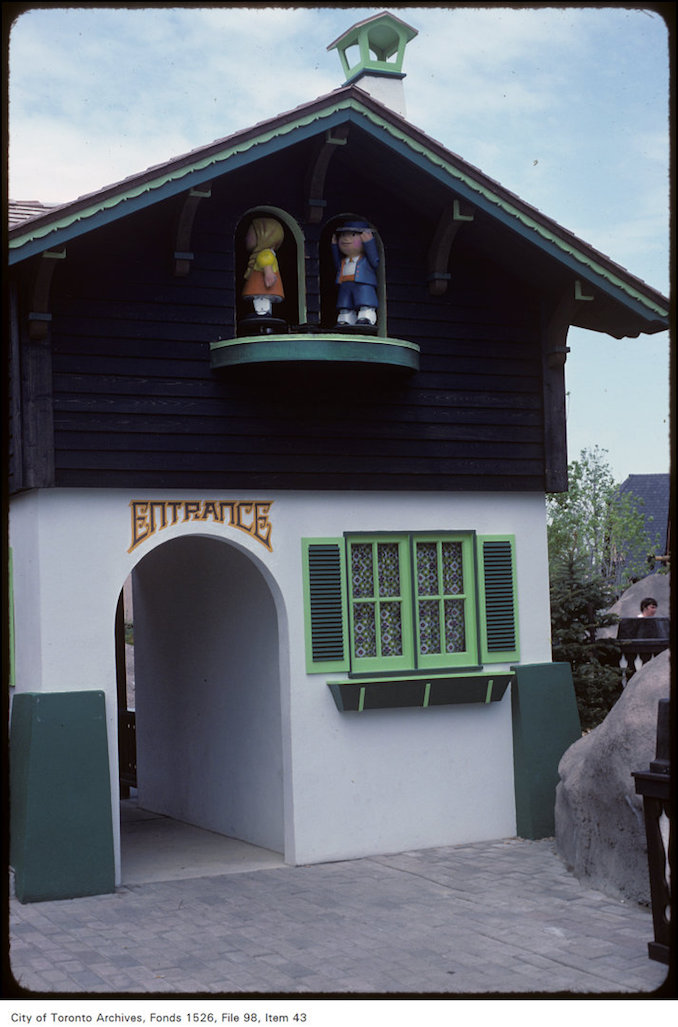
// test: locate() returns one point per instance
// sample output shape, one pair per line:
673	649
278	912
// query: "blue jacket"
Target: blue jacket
365	272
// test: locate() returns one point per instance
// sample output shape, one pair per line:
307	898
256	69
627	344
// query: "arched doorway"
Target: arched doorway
207	691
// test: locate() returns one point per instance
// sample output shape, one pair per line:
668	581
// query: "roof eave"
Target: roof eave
61	224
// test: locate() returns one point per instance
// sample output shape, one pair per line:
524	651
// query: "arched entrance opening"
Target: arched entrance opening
206	698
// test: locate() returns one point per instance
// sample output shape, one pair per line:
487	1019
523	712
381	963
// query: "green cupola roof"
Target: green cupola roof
381	42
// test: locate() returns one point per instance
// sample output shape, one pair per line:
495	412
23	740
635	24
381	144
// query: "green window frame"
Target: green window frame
445	601
409	602
380	603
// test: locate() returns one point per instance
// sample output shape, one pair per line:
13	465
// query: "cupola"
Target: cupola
379	44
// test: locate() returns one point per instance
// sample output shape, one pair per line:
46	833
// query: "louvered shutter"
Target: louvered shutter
325	605
497	591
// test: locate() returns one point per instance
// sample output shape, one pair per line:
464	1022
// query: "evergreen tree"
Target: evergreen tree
578	602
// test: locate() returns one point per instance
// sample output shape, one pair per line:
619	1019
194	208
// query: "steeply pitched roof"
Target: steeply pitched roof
628	306
654	490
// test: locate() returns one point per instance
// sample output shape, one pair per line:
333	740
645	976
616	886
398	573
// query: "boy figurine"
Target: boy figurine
356	258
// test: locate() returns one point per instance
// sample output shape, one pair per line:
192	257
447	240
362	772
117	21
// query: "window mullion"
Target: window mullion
441	599
376	606
414	598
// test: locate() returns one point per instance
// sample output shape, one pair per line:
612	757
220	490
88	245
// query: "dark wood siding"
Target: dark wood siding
136	403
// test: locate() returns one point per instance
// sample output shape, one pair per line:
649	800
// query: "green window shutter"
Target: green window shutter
498	599
325	605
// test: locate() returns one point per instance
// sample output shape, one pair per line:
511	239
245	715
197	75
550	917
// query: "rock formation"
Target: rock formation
600	831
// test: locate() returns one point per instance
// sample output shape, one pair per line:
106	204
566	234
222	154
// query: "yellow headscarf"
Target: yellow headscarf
269	236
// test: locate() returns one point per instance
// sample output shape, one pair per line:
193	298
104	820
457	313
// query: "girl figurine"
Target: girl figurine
263	284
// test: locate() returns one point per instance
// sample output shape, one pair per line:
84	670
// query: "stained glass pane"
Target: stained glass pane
391	629
364	630
429	627
389	569
361	569
453	568
455	633
427	569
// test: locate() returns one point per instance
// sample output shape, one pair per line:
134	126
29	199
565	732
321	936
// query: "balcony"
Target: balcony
313	348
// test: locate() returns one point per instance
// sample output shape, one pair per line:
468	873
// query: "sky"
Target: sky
565	106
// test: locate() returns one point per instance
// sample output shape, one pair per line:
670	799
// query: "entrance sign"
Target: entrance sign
152	515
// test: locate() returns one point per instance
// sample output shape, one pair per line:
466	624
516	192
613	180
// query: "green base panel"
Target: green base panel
61	830
545	724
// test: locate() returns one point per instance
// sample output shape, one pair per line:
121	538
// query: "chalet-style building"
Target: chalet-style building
335	534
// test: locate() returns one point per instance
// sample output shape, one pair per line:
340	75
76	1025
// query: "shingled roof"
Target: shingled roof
626	306
654	491
24	210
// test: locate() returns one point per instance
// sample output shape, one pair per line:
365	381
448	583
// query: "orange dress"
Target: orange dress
255	285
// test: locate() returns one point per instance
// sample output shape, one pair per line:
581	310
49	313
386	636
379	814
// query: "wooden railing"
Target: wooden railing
640	639
636	652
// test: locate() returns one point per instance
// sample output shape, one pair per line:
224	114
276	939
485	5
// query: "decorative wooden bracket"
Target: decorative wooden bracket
579	293
441	246
182	253
39	316
556	332
315	181
554	355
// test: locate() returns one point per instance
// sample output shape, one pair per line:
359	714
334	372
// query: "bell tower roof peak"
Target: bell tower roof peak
374	49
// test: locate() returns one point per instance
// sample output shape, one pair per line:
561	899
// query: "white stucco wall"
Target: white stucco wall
209	736
352	784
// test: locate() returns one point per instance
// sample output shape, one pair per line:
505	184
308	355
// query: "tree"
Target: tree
597	525
578	604
592	531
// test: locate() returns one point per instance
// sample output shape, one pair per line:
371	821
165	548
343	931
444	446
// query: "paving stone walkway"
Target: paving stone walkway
502	918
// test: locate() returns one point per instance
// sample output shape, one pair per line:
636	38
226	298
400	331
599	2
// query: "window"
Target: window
445	602
409	602
381	634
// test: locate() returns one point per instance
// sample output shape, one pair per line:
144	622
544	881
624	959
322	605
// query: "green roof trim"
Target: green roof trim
172	180
209	163
505	205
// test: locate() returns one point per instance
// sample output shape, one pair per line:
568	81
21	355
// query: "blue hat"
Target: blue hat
354	226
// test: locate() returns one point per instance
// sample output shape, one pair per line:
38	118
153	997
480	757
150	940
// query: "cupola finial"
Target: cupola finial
379	43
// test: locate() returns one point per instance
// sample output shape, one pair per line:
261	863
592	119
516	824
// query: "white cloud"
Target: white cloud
119	83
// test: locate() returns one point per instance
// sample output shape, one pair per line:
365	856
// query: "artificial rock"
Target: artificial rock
600	831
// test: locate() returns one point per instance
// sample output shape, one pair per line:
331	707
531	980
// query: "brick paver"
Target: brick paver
490	918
